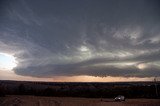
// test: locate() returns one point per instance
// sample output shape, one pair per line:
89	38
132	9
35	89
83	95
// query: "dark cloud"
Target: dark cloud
87	37
102	71
98	67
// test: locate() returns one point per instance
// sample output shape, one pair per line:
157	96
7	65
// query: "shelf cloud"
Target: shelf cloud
87	37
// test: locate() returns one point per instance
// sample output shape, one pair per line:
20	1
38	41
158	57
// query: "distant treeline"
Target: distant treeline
90	90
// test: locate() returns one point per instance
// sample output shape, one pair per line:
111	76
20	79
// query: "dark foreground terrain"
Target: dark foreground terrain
149	90
24	93
16	100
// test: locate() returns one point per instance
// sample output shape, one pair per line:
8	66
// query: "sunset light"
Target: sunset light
7	61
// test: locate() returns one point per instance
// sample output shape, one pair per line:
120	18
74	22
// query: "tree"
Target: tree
2	91
21	89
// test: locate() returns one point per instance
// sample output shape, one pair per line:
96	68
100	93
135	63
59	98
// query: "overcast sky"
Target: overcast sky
69	38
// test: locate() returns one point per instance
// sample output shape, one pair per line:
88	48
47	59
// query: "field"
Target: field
24	93
17	100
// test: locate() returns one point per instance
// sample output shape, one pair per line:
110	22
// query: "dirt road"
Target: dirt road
15	100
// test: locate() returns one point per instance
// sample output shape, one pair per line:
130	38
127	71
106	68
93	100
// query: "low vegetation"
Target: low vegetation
89	90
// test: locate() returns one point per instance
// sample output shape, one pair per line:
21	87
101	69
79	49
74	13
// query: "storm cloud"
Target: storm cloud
87	37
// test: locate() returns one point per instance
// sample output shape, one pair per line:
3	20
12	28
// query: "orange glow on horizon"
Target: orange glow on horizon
83	78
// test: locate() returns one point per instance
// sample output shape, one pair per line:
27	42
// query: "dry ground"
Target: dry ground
15	100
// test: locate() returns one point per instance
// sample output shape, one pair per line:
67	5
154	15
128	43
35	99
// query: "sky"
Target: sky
80	40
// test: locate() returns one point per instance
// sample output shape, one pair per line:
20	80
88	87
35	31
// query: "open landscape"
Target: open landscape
79	52
16	100
25	93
